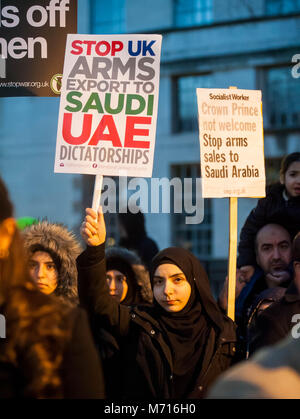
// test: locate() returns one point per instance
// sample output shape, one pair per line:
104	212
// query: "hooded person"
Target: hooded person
192	330
134	274
129	284
172	349
52	252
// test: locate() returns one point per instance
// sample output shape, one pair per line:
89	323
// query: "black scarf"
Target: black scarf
187	331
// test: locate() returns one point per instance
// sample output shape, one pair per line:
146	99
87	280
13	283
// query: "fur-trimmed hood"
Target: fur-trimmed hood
58	241
134	263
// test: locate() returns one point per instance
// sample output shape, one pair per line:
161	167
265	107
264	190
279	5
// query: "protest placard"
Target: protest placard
32	45
232	156
108	106
231	143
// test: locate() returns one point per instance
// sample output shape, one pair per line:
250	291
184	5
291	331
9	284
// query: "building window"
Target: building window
187	108
281	99
282	7
108	17
193	12
272	169
195	237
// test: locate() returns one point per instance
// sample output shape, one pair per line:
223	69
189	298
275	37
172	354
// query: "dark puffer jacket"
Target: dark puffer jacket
261	302
276	322
62	245
147	370
273	209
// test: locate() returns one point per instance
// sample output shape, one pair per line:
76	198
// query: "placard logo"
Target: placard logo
55	83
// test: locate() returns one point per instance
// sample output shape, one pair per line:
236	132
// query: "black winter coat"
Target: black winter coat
141	293
147	371
276	322
81	371
265	298
273	209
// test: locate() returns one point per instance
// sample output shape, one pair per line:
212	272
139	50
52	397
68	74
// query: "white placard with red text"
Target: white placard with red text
108	107
231	143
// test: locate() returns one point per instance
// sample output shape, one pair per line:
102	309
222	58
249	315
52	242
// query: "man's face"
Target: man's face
274	249
43	271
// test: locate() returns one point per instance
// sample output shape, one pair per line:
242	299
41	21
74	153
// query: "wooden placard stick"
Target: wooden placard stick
233	208
97	192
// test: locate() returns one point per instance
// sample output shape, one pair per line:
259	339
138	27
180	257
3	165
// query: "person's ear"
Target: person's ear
7	230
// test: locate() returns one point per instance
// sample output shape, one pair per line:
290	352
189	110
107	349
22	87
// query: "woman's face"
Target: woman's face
292	179
43	271
170	287
117	283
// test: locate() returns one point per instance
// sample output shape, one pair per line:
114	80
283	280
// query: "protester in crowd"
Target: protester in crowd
127	277
273	250
277	321
129	285
271	373
172	349
48	351
52	252
280	206
133	235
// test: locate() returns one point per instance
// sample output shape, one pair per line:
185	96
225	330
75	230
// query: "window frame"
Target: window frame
281	12
176	103
177	11
203	228
262	82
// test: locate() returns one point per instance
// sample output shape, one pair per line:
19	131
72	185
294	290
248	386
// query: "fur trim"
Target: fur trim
139	269
63	244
